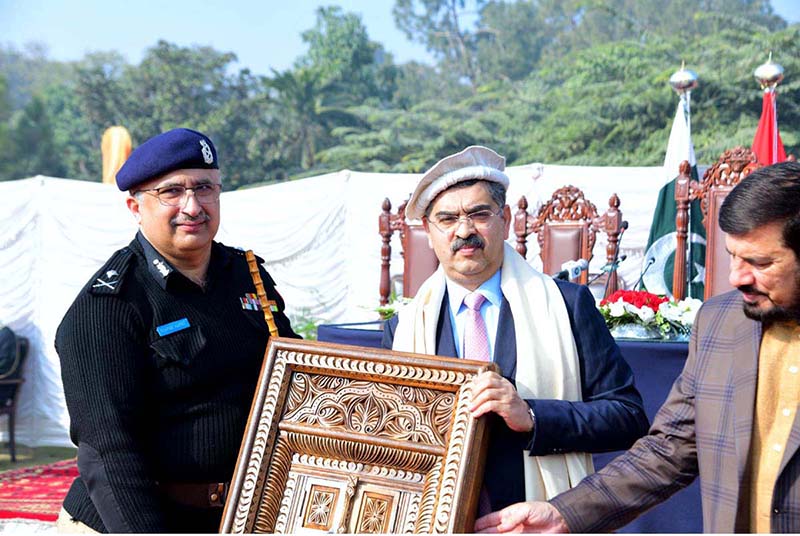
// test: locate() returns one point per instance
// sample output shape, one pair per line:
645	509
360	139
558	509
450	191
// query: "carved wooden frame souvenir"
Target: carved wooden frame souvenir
350	439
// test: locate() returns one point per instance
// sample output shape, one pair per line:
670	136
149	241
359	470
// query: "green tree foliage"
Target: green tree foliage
28	72
340	51
308	113
181	87
443	26
31	141
512	39
556	81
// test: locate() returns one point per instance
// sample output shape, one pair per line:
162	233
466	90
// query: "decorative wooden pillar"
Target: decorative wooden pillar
385	229
682	199
521	226
613	228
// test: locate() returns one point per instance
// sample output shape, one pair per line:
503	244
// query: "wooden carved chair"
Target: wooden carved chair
419	260
13	350
733	166
566	228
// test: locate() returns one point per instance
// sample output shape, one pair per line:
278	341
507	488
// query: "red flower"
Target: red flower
637	298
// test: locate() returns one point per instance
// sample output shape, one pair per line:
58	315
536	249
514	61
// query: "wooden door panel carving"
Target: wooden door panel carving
356	440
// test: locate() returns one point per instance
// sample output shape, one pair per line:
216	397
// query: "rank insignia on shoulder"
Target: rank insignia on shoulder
110	279
109	282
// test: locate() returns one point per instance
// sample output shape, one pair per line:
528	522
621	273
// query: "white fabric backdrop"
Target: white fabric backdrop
319	237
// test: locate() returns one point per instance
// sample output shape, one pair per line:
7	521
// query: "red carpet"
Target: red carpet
36	492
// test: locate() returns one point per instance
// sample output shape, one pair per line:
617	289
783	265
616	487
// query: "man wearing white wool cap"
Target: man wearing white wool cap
564	389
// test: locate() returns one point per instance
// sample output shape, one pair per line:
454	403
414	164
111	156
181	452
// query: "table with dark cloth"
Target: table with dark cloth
655	366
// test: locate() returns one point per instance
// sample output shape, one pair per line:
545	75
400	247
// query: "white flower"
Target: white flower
689	308
645	314
617	308
671	312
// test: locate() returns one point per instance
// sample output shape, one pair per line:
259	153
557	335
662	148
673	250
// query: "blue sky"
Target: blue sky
263	34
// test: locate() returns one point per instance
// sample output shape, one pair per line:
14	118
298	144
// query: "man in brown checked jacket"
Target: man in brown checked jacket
731	416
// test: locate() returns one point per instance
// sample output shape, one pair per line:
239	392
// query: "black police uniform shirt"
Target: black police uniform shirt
159	375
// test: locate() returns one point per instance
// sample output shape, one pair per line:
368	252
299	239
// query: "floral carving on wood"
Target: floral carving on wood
567	204
733	166
363	440
374	518
322	501
378	409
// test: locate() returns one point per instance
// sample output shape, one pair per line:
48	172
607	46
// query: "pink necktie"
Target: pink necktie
476	346
476	338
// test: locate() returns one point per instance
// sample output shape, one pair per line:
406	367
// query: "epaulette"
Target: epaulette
109	279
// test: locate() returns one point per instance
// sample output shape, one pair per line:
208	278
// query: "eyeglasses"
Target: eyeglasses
175	195
480	219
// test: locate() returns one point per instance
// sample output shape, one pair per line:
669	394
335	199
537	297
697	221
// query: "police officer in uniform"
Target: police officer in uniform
160	354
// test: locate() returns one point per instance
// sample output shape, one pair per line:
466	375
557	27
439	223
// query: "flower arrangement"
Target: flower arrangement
394	305
658	316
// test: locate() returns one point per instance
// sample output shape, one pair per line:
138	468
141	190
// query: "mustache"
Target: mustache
472	241
183	218
750	289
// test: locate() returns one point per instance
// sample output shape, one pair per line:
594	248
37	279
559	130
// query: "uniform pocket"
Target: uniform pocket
180	347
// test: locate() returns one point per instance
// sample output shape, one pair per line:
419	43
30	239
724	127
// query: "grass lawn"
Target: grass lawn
27	456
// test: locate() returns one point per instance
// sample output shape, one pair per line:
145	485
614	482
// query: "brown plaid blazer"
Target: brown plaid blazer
704	429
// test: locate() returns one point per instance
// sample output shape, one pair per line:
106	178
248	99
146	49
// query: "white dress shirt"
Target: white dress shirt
490	310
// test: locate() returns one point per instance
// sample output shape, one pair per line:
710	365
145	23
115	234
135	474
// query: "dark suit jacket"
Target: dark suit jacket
610	416
704	428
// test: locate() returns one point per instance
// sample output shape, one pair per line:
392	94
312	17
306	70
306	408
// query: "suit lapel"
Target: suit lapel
505	345
445	343
792	444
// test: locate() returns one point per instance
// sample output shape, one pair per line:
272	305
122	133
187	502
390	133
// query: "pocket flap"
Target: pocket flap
181	346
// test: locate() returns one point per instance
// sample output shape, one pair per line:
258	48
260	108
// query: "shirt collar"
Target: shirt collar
157	265
490	290
163	272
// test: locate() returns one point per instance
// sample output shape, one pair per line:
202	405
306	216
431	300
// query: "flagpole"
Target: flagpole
769	75
683	82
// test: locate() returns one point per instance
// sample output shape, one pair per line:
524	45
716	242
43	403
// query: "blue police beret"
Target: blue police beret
180	148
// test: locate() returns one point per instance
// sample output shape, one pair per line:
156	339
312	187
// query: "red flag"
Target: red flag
767	144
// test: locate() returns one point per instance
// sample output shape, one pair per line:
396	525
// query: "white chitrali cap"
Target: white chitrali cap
474	162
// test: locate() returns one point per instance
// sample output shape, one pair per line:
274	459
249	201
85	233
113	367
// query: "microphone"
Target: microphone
571	269
650	262
607	268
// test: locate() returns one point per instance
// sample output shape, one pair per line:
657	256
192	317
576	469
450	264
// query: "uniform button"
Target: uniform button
777	447
214	497
786	412
793	369
776	511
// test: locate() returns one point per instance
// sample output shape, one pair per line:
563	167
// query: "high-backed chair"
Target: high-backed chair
733	166
567	224
566	228
13	350
419	260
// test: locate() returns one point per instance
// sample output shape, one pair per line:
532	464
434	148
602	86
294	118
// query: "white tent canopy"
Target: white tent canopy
319	237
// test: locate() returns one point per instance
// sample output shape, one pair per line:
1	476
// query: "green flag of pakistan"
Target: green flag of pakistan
659	258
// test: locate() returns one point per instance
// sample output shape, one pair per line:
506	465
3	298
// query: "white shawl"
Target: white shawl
547	358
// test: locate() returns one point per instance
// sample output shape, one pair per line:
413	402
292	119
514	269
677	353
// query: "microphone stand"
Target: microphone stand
650	262
610	267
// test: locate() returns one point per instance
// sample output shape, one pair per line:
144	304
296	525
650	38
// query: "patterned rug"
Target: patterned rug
36	492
